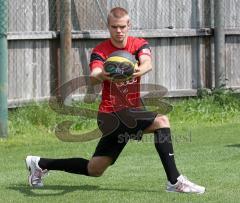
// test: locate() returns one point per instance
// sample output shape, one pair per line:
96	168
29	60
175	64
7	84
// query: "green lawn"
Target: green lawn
205	132
207	154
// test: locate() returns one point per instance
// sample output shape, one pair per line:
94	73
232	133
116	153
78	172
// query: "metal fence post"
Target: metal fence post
66	43
219	44
3	68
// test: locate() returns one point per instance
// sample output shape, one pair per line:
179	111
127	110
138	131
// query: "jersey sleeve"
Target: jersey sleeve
143	48
97	59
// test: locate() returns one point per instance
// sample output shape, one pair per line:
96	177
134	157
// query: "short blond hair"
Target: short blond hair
117	12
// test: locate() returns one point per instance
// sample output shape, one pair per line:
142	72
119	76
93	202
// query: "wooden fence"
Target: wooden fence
180	33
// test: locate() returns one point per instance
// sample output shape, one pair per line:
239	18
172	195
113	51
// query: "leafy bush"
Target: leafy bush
219	105
209	107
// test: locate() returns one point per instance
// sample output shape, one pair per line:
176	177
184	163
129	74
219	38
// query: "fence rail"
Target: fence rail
155	33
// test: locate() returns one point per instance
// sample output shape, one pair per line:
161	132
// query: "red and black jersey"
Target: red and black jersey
116	96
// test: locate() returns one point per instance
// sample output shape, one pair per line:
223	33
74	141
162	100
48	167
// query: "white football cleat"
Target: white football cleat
185	186
35	172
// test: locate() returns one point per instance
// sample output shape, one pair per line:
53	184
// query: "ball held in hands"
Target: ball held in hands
120	65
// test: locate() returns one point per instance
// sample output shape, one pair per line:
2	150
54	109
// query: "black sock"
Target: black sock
163	144
71	165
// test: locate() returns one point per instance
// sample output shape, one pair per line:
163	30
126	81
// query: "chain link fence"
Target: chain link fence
32	15
44	15
4	20
149	14
232	14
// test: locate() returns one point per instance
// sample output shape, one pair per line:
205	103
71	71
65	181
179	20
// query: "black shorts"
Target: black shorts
118	127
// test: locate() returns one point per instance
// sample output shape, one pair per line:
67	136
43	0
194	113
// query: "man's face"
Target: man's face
118	28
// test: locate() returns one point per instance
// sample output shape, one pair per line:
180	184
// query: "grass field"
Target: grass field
206	152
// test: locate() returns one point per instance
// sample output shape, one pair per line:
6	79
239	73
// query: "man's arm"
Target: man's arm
98	75
95	76
144	67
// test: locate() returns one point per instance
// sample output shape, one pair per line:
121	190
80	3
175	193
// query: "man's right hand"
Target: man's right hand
105	75
98	75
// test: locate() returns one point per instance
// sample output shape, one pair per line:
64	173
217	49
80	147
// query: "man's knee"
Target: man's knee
95	172
162	121
159	122
97	166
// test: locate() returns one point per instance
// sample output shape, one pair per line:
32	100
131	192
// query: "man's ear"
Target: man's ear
129	24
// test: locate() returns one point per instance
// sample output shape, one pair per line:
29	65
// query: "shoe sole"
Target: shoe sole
197	193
